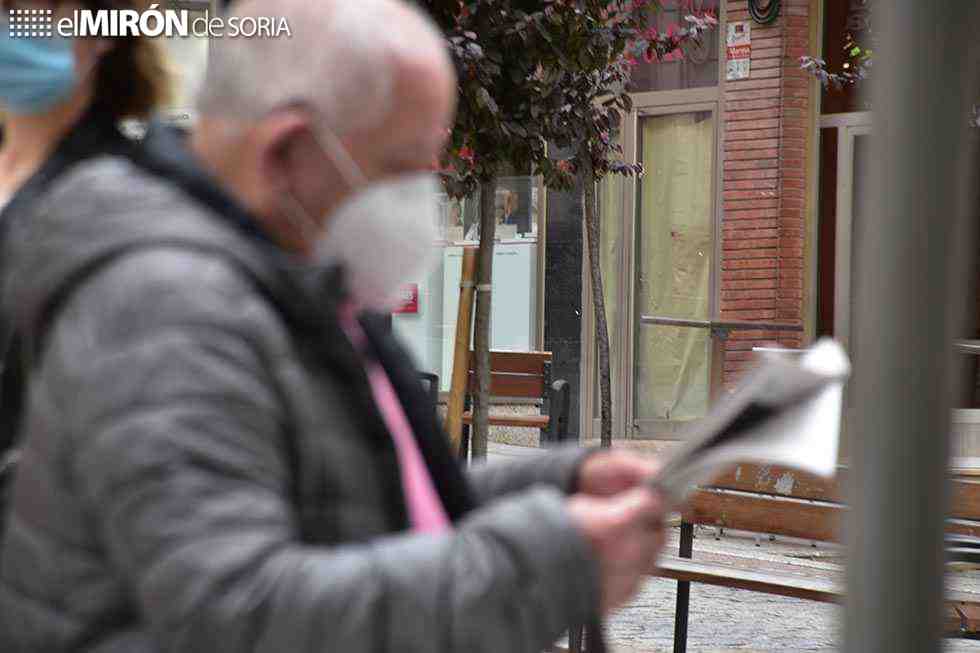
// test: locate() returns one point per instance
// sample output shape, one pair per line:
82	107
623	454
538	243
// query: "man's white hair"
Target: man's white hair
341	61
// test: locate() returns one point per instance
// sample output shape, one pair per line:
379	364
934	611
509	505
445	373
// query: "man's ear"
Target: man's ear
281	140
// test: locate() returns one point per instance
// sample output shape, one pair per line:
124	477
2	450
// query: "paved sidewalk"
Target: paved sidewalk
726	620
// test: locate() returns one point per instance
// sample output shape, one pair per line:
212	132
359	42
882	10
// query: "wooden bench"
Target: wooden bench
524	376
774	501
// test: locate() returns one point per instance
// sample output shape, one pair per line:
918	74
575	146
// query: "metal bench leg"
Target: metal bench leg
683	591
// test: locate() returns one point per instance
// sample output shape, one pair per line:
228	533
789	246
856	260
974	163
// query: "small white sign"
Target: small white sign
739	50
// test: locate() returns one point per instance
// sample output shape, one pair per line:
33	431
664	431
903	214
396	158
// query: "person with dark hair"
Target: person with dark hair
60	101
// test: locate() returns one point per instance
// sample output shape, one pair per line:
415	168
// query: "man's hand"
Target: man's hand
608	473
626	533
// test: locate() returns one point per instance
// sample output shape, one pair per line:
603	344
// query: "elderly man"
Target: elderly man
223	449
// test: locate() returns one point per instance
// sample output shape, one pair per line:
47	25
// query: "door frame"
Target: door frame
849	126
622	339
676	101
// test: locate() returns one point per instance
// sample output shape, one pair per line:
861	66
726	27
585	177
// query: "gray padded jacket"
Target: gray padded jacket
201	471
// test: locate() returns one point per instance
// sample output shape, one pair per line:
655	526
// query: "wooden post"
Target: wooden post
461	353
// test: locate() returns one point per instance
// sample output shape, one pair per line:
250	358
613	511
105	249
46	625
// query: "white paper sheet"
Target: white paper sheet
787	412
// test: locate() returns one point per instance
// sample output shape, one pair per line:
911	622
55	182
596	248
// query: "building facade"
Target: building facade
744	213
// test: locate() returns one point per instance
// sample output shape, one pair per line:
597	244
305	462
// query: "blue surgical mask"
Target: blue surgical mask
36	73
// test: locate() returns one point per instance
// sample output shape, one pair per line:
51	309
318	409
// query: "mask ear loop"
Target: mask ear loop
336	152
299	217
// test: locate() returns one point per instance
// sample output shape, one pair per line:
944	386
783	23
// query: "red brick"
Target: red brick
749	304
761	39
754	194
734	314
753	135
748	264
748	284
733	255
748	184
770	153
750	174
772	67
744	295
761	246
750	214
740	356
734	127
751	165
738	345
756	144
762	54
759	94
764	203
742	274
752	84
757	114
752	104
759	227
749	234
756	335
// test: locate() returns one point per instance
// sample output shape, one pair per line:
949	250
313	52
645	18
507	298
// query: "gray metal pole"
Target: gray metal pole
910	289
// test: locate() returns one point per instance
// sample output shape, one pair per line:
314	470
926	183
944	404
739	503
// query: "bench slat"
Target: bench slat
765	514
772	479
815	589
512	385
963	608
516	362
528	421
786	516
965	499
781	481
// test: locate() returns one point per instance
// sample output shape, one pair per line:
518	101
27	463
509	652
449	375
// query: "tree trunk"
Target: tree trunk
592	235
481	337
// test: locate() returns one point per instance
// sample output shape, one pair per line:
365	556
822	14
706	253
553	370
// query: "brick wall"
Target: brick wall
764	183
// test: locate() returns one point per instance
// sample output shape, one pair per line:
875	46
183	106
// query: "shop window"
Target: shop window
695	65
428	326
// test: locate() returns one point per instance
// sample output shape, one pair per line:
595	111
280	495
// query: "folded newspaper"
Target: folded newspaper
787	412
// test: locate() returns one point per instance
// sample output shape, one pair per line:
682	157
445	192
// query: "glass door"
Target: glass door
673	277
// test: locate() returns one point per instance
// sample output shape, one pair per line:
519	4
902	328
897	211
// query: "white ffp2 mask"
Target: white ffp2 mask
383	236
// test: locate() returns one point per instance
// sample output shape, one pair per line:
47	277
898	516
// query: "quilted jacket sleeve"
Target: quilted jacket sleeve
556	468
176	451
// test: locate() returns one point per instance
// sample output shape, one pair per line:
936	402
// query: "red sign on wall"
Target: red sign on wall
410	299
